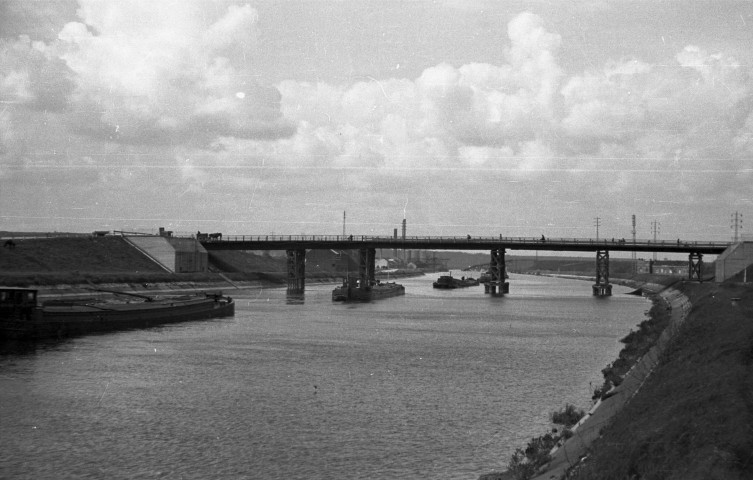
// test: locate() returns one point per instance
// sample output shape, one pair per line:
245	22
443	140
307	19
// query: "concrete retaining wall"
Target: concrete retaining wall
734	260
176	255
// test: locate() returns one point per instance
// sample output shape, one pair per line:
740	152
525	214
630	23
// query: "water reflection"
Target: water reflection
295	298
22	347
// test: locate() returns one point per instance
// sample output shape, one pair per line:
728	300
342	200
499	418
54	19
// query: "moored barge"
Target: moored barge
351	290
23	318
448	282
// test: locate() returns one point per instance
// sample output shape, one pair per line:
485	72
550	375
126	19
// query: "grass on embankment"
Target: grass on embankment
70	254
693	418
82	260
110	259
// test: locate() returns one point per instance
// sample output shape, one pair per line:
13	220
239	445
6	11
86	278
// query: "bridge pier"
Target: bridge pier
497	283
695	266
602	288
296	270
366	267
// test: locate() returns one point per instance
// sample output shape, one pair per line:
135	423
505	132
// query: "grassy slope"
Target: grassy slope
59	260
693	418
88	254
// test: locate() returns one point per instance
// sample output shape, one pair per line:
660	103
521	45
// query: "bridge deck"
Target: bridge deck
339	242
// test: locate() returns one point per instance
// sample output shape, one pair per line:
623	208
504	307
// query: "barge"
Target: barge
22	317
448	281
352	291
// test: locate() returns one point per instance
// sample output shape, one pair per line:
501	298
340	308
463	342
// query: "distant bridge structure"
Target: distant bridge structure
296	246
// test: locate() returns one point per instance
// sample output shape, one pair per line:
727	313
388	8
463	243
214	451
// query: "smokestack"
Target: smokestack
403	240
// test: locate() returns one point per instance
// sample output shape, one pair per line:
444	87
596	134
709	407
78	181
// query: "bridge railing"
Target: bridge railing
466	240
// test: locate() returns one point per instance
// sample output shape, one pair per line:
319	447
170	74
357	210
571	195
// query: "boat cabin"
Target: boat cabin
17	302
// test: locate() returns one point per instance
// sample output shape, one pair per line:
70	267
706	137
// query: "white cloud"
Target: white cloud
152	85
441	111
161	74
31	76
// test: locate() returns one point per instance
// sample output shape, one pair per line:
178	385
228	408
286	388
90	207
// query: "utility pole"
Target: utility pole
597	223
633	255
737	225
655	227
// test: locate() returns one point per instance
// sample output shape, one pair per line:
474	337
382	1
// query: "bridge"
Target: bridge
296	246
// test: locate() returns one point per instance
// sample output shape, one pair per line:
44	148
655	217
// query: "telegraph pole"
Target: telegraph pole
597	222
737	225
655	227
633	255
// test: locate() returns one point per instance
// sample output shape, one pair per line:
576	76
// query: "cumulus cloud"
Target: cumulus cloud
172	88
399	124
30	76
697	104
153	73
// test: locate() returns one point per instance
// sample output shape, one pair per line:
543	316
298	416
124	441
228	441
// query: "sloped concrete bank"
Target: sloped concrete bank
588	429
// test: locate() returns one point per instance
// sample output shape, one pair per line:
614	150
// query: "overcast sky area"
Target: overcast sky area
518	118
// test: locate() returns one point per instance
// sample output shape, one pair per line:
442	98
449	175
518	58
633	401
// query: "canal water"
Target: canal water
436	384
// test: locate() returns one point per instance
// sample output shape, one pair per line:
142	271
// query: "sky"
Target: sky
515	118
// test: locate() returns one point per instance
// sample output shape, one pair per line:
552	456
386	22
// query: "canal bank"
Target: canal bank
217	282
684	409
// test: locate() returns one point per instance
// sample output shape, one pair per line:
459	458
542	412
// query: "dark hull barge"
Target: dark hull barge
351	291
447	281
21	318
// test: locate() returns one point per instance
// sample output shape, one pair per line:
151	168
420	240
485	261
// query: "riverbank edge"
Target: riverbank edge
569	452
588	430
176	287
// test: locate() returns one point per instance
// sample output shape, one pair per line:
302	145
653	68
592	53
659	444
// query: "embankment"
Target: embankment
685	409
692	417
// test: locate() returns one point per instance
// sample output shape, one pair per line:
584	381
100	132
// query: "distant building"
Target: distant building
671	268
675	268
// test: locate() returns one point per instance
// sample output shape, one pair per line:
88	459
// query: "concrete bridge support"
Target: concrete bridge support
497	283
602	288
367	267
296	270
695	266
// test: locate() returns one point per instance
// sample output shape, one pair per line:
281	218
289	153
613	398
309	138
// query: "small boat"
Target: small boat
448	281
23	318
351	290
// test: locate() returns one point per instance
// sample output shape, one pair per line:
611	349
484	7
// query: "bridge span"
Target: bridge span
296	246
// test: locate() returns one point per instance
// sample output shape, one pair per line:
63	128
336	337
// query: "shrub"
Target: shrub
525	463
568	416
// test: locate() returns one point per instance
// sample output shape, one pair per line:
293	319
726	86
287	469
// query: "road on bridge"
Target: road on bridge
353	242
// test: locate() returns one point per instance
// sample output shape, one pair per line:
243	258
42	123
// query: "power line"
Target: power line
634	257
655	228
597	223
737	225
